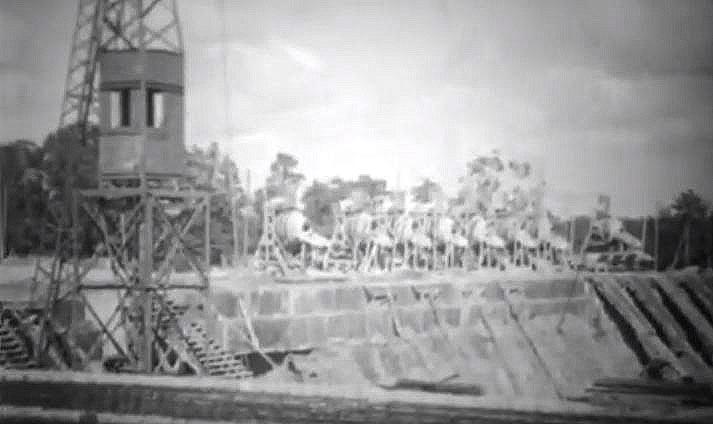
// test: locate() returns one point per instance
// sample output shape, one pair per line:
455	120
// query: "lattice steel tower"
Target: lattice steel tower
126	76
112	25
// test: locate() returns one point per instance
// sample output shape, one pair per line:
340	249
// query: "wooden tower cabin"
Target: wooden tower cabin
141	114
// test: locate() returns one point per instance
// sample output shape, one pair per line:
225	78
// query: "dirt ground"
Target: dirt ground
538	355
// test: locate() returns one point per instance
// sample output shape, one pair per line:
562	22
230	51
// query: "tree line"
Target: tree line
33	181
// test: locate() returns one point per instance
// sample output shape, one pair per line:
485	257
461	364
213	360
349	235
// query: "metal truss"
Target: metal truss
270	255
143	232
112	25
145	224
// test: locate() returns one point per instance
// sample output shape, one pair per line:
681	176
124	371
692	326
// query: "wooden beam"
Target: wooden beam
691	363
246	219
103	326
645	333
234	217
699	323
656	242
3	215
194	263
145	273
206	235
116	193
165	268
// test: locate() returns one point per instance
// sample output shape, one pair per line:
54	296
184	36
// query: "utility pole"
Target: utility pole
146	236
687	243
656	241
710	246
246	218
234	217
206	235
3	215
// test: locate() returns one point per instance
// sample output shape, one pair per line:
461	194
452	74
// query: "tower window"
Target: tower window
154	108
120	108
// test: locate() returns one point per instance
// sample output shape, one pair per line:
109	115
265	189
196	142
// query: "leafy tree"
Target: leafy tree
372	187
69	163
39	183
283	180
664	212
482	181
213	170
202	164
427	191
318	199
481	164
690	208
20	195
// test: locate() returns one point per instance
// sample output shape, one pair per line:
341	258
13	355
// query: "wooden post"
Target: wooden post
76	278
643	234
234	218
3	216
656	242
146	270
710	242
687	242
206	236
5	247
246	218
146	231
710	245
585	242
122	224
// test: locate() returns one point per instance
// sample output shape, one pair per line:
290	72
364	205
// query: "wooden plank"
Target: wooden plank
703	292
652	344
116	193
457	388
691	362
499	350
435	363
311	279
654	386
522	367
700	325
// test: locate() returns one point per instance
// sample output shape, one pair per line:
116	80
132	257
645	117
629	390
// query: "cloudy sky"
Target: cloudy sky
601	96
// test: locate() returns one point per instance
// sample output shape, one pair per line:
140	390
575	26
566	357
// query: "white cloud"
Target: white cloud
599	96
300	55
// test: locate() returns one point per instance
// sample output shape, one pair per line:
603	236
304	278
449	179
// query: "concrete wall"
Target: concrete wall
297	317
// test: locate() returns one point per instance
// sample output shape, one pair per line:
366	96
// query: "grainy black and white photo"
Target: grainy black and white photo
356	211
